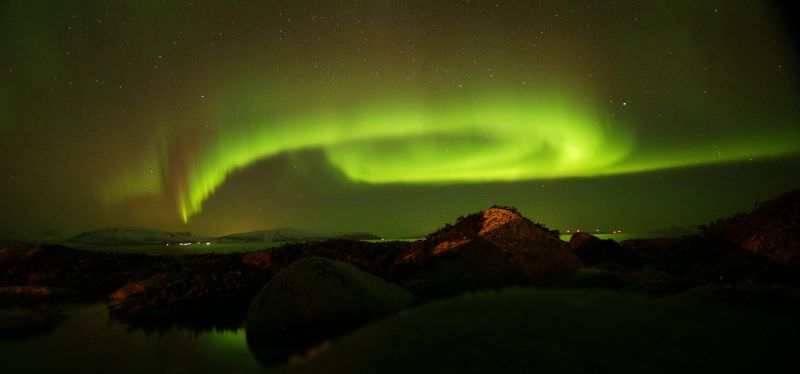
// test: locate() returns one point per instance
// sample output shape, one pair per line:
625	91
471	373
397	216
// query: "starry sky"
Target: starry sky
393	117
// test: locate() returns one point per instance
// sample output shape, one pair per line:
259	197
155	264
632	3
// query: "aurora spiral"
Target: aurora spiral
347	115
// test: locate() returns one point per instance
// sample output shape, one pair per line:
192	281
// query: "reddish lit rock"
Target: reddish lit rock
493	248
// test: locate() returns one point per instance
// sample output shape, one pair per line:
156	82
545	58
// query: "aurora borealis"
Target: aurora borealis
392	117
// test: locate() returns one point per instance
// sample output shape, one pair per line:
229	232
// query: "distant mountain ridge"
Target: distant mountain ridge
132	236
287	234
35	236
284	234
146	236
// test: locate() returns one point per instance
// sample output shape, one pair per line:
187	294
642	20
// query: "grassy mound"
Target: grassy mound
524	330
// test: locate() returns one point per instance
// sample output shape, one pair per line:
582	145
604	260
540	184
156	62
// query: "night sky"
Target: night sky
392	117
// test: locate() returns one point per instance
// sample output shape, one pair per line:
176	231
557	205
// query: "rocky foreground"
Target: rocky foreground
313	291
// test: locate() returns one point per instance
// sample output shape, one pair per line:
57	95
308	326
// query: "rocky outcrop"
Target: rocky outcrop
220	286
772	229
90	274
674	265
493	248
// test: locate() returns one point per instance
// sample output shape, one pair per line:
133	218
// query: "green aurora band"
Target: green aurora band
490	138
391	117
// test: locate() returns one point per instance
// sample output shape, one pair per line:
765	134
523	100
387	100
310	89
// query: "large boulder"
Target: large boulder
317	297
493	248
592	250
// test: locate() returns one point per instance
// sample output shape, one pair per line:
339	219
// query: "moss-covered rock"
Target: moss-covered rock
317	295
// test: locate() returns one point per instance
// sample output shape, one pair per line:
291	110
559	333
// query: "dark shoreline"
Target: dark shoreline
495	249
